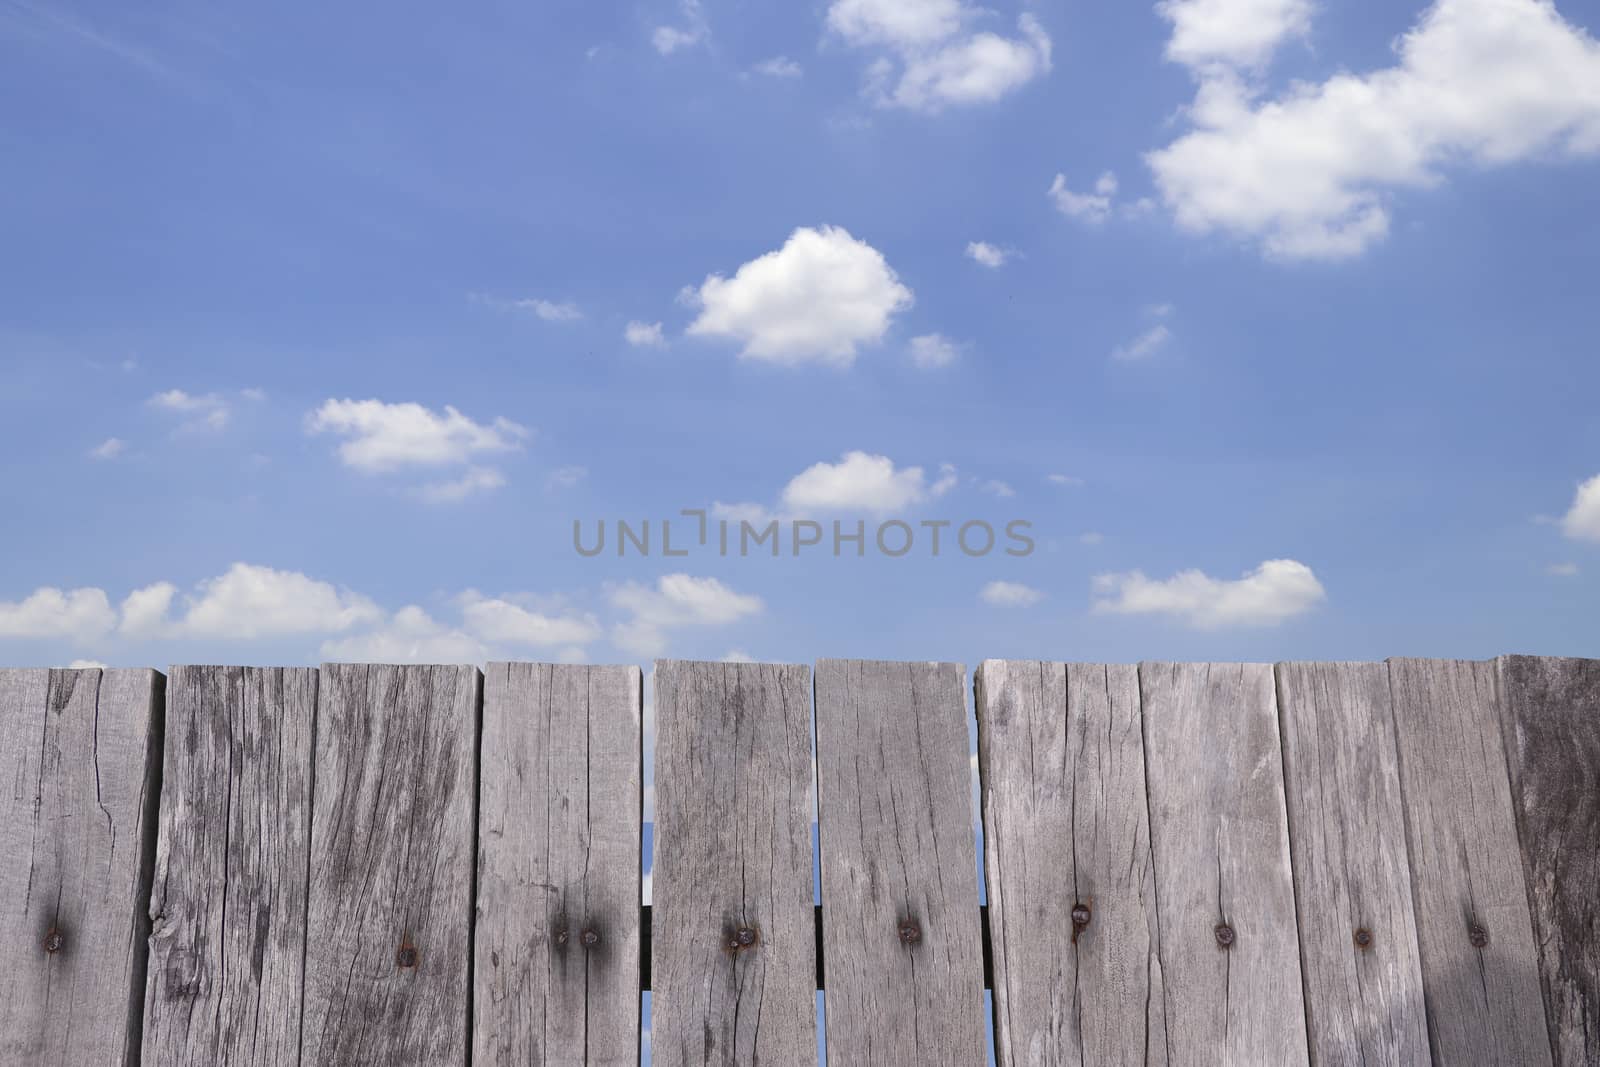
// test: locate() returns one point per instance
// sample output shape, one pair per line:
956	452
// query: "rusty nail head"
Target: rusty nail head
406	957
1224	934
910	932
1363	937
561	936
54	941
744	937
1080	915
1477	935
591	938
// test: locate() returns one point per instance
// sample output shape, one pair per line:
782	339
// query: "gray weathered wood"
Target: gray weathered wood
390	900
229	899
1220	841
1550	710
733	852
78	752
894	789
1066	824
1466	871
556	949
1358	935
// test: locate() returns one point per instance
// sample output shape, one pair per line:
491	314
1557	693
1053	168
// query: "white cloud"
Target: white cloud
411	636
863	482
996	487
1562	570
248	602
1145	345
500	621
643	334
669	39
736	655
1010	595
566	477
253	394
1309	174
1068	480
1092	207
986	254
110	448
472	480
933	350
1239	33
941	60
1277	590
817	298
386	437
86	665
755	514
74	614
676	600
779	67
1582	521
552	311
201	412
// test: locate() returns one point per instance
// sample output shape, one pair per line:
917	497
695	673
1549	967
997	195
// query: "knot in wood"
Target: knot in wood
1477	935
406	958
910	933
1363	938
562	936
1225	935
54	941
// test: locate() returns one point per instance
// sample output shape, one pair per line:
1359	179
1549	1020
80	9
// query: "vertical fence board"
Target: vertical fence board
1066	825
1550	710
227	944
1220	839
733	853
1358	934
556	949
390	901
1466	871
899	866
78	752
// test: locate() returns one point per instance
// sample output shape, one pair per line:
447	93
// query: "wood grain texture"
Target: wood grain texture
1550	713
1220	841
1466	870
78	756
228	906
897	847
390	898
559	836
733	852
1066	823
1358	935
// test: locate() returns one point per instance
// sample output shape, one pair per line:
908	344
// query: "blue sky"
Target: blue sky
1310	375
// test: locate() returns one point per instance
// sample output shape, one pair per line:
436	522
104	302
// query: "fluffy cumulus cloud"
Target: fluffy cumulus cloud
1582	520
936	55
1310	173
199	411
863	482
779	67
77	615
1277	590
691	30
643	334
110	448
410	636
933	350
1237	33
503	622
1088	207
987	255
675	601
818	298
247	602
380	437
1009	595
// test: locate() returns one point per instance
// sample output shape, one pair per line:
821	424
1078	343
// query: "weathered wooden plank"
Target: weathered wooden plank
556	950
78	754
733	948
229	900
1358	935
390	899
1479	972
901	938
1066	828
1218	831
1550	711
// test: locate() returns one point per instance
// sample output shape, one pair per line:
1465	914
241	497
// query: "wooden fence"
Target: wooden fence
1372	863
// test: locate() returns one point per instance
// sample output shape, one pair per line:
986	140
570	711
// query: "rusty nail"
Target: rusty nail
591	938
406	957
743	938
561	936
1224	934
1477	935
54	941
1080	920
910	933
1363	938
